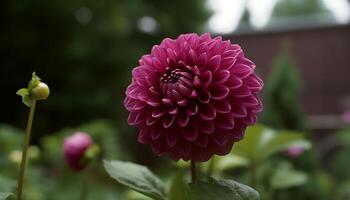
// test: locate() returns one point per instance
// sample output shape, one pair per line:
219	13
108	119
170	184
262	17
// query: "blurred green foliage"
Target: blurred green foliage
84	50
282	108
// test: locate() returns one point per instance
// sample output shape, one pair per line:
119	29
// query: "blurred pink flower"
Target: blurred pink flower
74	148
193	97
346	117
294	151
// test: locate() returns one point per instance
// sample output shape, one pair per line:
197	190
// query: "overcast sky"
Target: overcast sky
227	13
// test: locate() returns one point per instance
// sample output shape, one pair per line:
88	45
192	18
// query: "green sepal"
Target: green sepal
26	97
34	82
90	154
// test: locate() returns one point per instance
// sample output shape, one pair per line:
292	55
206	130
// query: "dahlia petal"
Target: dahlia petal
171	55
234	82
184	149
146	60
205	37
156	63
168	121
192	57
154	92
229	53
254	83
238	110
153	102
202	140
228	63
220	139
241	70
250	101
183	119
158	112
243	91
206	79
150	120
193	40
202	48
223	150
204	96
173	111
171	137
202	59
219	92
160	52
167	102
144	137
221	76
238	133
207	127
207	112
225	121
155	133
134	118
190	133
221	106
182	103
157	147
196	82
215	63
192	109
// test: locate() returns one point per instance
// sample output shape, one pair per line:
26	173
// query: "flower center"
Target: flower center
170	76
176	84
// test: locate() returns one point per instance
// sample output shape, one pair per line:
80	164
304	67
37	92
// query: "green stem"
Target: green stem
253	180
193	171
211	167
25	150
84	187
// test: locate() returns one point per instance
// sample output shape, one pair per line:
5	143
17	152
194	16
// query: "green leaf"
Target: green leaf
178	187
27	100
248	146
285	176
22	92
6	196
261	142
136	177
279	142
223	190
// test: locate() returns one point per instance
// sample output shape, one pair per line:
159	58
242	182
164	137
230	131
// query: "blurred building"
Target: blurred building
321	53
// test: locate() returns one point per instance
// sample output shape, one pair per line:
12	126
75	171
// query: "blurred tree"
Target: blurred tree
285	8
84	50
281	103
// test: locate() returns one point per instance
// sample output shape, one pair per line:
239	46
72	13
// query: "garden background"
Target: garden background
85	50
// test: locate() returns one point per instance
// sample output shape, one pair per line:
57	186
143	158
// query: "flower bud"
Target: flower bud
74	149
41	91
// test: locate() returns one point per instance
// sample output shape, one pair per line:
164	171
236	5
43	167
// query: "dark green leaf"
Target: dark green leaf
137	177
223	190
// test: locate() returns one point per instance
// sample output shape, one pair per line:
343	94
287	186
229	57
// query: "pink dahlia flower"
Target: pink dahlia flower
193	97
74	148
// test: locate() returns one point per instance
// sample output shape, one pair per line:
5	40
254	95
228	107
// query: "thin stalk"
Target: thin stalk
25	150
193	171
84	187
211	167
253	180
